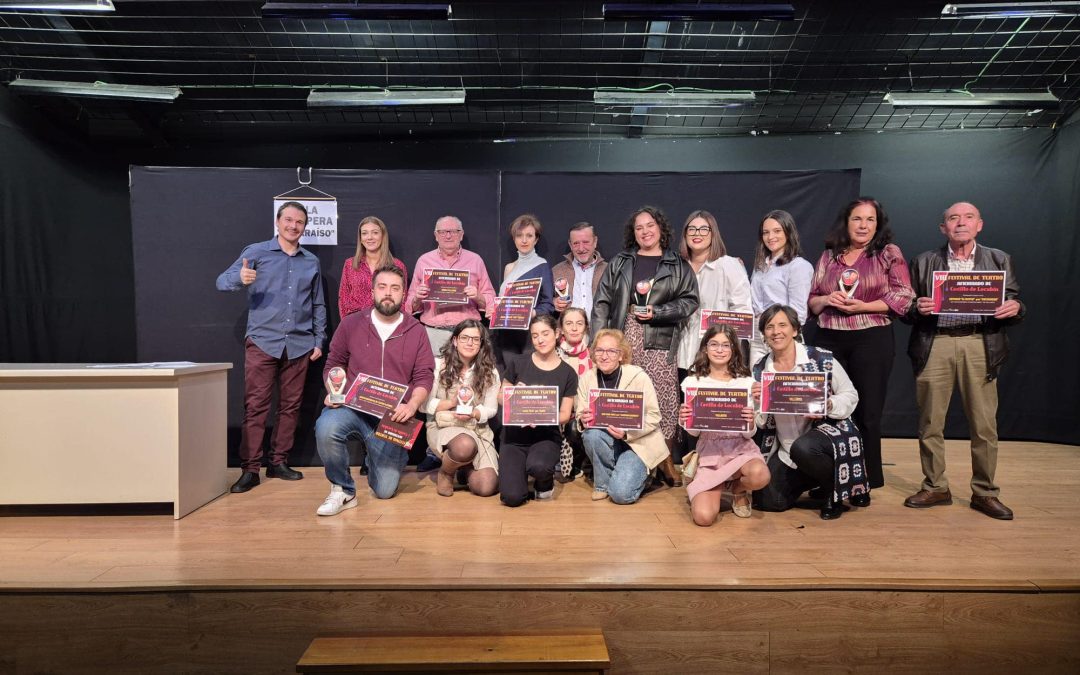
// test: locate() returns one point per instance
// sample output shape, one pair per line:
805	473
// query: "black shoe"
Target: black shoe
363	469
819	493
860	499
283	472
248	480
429	463
832	511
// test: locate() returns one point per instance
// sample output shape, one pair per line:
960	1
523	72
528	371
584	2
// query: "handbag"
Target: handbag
690	464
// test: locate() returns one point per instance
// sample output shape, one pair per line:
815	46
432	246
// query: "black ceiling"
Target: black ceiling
530	69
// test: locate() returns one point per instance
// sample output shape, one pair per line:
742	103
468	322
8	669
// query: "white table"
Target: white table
83	434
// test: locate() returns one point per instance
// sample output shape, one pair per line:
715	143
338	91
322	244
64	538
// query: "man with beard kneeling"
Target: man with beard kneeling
393	346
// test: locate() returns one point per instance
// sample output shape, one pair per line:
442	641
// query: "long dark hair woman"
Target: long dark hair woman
726	459
781	275
464	398
860	285
648	291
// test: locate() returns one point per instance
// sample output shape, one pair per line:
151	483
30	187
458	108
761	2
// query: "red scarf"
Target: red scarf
579	352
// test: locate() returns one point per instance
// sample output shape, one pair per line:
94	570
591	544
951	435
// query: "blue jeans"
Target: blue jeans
617	470
385	461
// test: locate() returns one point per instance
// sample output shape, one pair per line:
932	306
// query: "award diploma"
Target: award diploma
511	313
794	393
742	322
447	286
530	406
975	292
403	433
374	395
335	385
717	408
617	408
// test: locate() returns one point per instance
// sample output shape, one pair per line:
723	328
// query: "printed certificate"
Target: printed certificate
617	408
975	292
794	393
717	408
530	406
742	322
374	395
447	286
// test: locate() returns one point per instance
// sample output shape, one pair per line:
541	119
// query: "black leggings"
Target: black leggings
518	462
813	454
867	357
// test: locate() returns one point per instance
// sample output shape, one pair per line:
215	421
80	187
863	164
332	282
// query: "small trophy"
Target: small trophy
643	291
464	400
562	288
335	384
849	281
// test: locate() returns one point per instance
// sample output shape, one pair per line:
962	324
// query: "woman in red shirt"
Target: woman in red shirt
372	252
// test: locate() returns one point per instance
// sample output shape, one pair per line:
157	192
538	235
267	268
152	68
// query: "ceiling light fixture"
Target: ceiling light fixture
60	5
124	92
356	10
349	98
699	11
1004	10
678	99
1023	100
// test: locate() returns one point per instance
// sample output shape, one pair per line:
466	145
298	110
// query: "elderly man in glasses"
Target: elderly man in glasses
440	318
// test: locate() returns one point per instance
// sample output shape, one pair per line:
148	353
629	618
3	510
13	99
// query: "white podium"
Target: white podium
87	434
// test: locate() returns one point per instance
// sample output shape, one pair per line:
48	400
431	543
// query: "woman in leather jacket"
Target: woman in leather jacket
662	289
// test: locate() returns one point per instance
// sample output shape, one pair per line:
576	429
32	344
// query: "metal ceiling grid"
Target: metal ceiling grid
530	69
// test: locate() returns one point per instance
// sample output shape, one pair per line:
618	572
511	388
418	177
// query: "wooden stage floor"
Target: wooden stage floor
272	537
243	584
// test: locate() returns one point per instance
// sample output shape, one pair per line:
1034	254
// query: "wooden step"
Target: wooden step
579	651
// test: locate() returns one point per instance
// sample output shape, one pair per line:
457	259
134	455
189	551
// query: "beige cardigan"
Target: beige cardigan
648	444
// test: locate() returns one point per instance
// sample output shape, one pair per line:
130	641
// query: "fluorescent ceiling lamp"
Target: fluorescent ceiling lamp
347	98
699	11
356	10
123	92
674	99
999	10
962	100
60	5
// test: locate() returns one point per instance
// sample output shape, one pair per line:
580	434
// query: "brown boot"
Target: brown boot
444	479
671	477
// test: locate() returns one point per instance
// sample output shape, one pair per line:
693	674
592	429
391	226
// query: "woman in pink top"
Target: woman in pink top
372	252
861	283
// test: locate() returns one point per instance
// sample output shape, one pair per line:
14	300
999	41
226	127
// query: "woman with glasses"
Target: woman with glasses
464	398
372	252
781	275
532	451
725	458
621	458
648	292
804	452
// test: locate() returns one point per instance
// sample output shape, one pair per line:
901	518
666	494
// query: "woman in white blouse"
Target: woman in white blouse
464	397
781	275
721	278
804	452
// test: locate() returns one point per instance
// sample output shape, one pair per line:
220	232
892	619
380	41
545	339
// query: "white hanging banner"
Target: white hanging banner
322	208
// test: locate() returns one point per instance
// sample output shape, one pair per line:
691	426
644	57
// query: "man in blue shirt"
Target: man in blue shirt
286	330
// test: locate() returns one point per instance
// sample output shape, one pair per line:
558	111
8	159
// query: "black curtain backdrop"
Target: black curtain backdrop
212	213
67	291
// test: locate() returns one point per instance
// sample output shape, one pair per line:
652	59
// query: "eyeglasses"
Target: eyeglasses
698	231
607	352
448	233
469	339
719	346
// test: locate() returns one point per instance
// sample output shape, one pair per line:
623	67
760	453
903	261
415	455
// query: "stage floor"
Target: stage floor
271	538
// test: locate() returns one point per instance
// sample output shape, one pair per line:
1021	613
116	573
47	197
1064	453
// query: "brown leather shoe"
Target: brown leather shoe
991	507
924	499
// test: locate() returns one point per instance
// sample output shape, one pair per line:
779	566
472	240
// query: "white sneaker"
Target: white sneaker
336	502
547	494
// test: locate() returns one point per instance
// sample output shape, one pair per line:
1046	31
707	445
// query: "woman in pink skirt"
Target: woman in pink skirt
725	458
